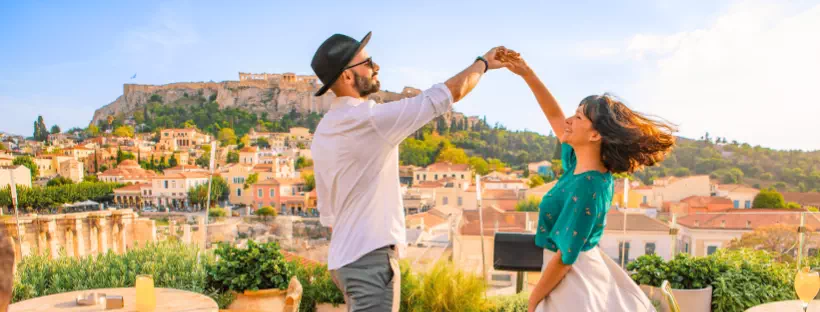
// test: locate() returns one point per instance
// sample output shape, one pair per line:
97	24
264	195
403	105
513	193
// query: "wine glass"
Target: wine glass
146	297
806	284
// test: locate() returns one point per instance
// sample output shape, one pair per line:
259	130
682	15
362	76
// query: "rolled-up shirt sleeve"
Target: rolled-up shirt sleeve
394	121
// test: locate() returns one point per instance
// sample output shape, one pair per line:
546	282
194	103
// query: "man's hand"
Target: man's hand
492	62
518	66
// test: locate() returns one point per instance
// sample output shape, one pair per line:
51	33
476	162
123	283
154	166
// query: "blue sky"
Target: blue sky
745	70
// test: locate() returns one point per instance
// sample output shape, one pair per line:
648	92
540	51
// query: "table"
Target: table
786	306
167	300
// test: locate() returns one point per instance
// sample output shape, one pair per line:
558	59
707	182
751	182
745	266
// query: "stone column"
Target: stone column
49	236
79	239
116	229
186	234
69	239
102	235
172	228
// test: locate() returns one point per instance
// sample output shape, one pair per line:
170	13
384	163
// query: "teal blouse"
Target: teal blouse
572	215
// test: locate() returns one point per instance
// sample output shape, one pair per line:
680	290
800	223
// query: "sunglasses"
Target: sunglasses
368	61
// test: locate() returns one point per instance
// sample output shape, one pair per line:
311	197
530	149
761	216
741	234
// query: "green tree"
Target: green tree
217	212
452	155
219	191
303	162
535	181
245	140
251	180
226	136
124	131
172	162
189	124
780	186
55	129
90	178
769	199
60	180
529	204
310	182
557	167
496	164
262	142
40	130
29	163
682	172
93	131
233	157
793	205
266	212
479	165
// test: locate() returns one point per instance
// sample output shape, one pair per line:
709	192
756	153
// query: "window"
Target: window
623	251
644	199
425	177
435	177
173	184
747	204
454	175
711	249
238	191
166	183
502	277
272	193
649	249
686	247
460	201
737	203
418	177
462	176
444	200
259	193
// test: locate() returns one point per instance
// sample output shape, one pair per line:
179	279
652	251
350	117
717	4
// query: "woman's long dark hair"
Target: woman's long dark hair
629	140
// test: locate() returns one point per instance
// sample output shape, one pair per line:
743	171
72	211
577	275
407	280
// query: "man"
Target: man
356	165
6	270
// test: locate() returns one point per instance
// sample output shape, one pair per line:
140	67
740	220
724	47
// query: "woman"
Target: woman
602	138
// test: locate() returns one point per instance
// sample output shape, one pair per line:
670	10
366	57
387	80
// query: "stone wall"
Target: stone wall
79	234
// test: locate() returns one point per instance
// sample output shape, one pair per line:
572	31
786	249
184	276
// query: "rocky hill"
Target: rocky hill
276	94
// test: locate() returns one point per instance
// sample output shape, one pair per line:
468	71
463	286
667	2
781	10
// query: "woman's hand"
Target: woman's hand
518	66
533	302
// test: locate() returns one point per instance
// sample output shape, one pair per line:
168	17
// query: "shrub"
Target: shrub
443	288
217	212
512	303
172	265
317	286
266	212
649	270
259	266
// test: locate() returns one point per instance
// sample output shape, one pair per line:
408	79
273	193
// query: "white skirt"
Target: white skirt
594	284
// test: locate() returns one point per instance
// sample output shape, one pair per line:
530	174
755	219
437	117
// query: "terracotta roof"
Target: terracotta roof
510	221
743	219
248	149
447	167
431	218
289	181
737	188
268	182
804	198
128	163
634	222
184	167
129	173
132	187
499	194
430	184
182	175
704	201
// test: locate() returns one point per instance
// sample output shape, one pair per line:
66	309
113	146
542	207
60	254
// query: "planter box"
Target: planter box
694	300
260	300
327	307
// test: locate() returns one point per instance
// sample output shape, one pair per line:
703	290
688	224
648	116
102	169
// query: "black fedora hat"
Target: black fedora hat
333	56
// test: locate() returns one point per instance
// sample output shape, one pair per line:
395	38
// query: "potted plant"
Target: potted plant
320	291
691	278
257	275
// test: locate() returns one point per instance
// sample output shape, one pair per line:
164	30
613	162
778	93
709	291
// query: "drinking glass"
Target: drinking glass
146	296
806	284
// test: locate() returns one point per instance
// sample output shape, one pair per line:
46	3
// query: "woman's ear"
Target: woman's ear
595	136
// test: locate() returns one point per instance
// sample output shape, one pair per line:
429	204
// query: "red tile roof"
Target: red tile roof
248	149
804	198
447	167
634	222
704	201
738	219
499	194
432	217
739	188
510	221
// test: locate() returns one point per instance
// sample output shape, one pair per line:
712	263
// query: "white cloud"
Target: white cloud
752	76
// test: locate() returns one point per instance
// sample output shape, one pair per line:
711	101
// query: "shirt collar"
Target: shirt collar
345	100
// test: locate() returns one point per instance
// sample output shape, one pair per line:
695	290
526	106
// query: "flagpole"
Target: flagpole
480	224
13	190
208	200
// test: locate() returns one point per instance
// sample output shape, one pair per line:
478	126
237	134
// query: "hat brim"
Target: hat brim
348	58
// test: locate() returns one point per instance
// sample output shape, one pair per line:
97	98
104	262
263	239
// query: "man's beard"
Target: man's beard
364	85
